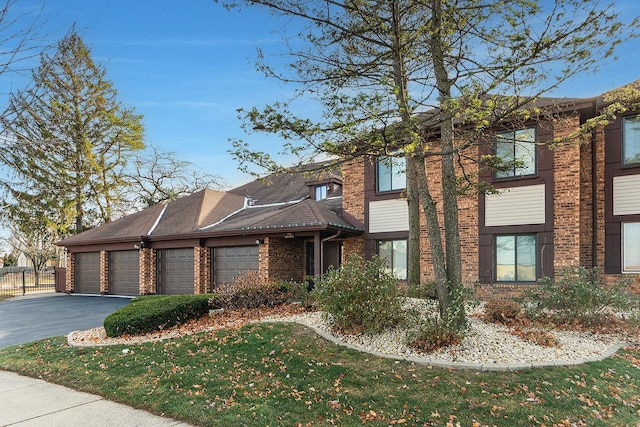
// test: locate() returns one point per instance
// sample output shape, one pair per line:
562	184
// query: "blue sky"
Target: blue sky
186	66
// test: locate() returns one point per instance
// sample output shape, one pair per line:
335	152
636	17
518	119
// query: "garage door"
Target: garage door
230	262
124	273
175	271
87	273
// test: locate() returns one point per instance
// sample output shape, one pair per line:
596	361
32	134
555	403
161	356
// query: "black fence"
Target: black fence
22	280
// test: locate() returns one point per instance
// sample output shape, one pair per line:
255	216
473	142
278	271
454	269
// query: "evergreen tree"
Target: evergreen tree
66	141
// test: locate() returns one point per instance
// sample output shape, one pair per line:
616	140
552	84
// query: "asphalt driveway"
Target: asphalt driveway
30	318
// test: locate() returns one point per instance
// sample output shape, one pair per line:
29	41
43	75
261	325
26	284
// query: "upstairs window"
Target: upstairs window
390	174
516	258
631	141
320	192
517	151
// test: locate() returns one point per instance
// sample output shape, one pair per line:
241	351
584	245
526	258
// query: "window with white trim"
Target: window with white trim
395	253
631	141
515	258
390	174
517	151
320	192
631	247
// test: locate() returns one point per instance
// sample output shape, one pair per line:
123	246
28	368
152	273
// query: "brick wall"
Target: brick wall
281	258
147	271
201	270
467	220
104	272
71	271
353	188
568	221
353	245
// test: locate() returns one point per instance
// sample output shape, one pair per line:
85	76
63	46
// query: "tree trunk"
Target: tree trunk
435	238
413	205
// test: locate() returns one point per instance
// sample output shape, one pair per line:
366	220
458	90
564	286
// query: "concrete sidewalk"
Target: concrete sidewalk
26	401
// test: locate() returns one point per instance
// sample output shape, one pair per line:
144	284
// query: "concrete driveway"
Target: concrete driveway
30	318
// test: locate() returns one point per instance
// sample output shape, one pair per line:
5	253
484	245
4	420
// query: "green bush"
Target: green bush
155	312
431	334
360	296
577	295
423	291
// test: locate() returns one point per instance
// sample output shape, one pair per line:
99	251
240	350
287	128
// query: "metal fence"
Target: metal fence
21	281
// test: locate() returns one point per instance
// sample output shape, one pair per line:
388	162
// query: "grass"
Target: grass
283	374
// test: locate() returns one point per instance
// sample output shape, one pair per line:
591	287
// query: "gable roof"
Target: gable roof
164	219
281	201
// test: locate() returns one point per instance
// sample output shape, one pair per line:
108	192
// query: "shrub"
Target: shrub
155	312
428	333
432	334
360	296
576	296
507	312
249	291
423	291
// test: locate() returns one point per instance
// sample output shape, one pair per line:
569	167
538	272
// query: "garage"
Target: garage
87	273
175	271
124	272
229	262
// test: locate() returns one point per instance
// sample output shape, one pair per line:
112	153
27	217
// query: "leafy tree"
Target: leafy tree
66	140
421	77
156	176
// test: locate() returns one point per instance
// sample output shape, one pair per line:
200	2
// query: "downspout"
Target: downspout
326	239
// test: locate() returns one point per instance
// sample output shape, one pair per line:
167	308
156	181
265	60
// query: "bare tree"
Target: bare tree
154	176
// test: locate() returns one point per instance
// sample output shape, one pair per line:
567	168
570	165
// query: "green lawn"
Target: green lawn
283	374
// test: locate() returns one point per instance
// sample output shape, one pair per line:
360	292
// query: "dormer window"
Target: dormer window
321	189
320	192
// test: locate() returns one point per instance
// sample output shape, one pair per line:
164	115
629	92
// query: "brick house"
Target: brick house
288	226
570	205
573	205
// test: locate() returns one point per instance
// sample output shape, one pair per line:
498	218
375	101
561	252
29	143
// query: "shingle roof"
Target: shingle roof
281	201
285	186
304	214
164	219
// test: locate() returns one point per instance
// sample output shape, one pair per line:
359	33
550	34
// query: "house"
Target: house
558	206
570	205
287	226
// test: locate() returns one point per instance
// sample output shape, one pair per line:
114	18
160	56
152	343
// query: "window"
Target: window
516	258
631	141
631	247
320	192
517	150
395	253
390	173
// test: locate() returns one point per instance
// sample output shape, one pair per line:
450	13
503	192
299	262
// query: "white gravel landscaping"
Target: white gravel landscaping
485	344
